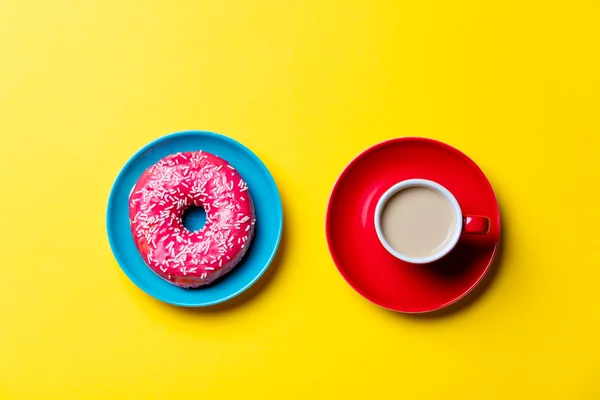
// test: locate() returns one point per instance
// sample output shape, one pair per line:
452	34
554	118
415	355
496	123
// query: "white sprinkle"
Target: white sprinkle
230	167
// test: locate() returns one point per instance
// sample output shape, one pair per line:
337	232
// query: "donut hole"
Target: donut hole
194	218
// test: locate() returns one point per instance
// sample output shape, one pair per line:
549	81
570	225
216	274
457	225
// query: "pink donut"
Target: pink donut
156	205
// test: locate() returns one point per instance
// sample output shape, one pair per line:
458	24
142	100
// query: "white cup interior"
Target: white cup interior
452	240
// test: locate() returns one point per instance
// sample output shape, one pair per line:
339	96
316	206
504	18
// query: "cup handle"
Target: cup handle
476	224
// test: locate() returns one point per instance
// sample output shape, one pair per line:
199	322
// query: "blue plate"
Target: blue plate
269	219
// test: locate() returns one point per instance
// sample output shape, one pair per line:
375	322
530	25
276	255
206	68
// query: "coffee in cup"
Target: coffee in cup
420	221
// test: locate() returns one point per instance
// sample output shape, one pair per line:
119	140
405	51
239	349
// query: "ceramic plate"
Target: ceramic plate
269	219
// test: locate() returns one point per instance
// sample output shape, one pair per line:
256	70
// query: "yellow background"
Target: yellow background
307	85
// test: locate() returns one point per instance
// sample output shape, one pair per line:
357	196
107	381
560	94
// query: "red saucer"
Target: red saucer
364	262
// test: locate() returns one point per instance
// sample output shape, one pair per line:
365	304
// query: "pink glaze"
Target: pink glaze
156	205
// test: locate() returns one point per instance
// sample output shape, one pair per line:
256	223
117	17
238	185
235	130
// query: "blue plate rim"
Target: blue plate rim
157	141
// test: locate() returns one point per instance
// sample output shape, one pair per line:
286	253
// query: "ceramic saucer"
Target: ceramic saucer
364	262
